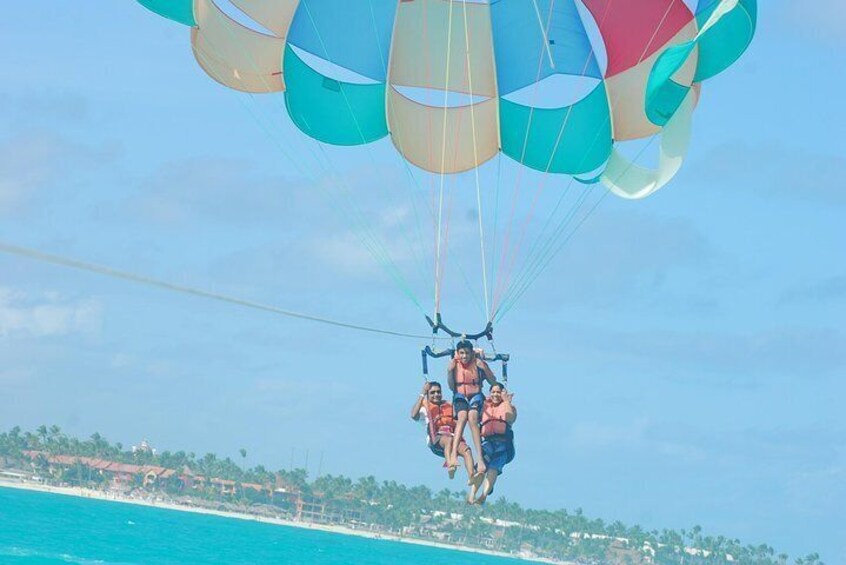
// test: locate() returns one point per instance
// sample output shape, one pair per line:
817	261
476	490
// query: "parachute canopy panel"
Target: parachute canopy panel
730	36
235	55
572	140
353	35
634	31
181	11
536	40
444	48
274	15
330	110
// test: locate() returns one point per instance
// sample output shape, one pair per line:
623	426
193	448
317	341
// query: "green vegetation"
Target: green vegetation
49	455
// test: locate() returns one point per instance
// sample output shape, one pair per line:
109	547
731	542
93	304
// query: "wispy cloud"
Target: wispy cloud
776	170
32	161
24	315
822	292
823	20
808	450
724	358
41	106
630	258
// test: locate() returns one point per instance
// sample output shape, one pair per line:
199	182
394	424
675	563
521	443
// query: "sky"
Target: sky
680	361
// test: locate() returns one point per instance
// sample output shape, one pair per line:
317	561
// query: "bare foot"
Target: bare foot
475	480
451	471
486	490
471	496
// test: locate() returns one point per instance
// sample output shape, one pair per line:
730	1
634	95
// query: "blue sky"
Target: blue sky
680	362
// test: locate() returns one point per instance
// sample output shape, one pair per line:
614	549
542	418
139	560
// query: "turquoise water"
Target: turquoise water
47	528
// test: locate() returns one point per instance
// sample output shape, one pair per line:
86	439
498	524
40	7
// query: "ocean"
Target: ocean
44	528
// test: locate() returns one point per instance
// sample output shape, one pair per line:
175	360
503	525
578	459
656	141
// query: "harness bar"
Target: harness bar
429	352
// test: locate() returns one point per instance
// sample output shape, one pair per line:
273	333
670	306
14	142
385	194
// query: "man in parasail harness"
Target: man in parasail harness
465	374
439	417
498	415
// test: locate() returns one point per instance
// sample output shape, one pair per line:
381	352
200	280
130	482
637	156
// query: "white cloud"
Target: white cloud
31	161
22	315
821	20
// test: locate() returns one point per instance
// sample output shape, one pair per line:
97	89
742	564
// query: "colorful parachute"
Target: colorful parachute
454	82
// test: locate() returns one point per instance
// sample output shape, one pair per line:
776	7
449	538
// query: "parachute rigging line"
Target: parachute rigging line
503	283
443	166
488	312
349	211
526	277
141	279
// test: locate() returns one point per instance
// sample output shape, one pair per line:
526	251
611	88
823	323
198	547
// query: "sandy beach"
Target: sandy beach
343	530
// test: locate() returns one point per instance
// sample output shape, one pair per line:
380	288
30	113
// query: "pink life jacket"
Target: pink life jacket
493	420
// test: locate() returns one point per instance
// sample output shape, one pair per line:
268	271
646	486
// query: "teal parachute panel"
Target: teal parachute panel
573	140
181	11
332	111
663	94
725	30
727	40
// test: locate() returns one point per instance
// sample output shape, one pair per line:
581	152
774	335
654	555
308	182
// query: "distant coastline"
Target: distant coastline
157	502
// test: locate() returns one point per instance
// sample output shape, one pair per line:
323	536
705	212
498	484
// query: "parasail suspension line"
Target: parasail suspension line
141	279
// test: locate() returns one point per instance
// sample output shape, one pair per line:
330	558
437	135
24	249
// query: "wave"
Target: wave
26	555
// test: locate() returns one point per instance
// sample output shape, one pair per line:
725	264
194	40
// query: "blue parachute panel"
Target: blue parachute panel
353	35
522	39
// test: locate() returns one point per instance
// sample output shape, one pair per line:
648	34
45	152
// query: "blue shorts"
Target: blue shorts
461	402
497	453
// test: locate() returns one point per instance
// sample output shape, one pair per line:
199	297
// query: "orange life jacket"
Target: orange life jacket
468	379
493	420
441	419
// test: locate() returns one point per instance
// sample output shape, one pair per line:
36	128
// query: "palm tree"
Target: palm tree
43	434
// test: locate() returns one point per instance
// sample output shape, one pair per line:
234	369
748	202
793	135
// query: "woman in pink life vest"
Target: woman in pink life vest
498	415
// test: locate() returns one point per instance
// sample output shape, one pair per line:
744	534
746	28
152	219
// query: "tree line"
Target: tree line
416	511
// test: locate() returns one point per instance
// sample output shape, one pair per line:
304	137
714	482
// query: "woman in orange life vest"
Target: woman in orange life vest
498	415
440	423
465	374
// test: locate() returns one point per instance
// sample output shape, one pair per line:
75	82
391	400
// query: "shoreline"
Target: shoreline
80	492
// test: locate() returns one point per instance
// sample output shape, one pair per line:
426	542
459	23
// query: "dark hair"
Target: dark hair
435	383
464	344
499	384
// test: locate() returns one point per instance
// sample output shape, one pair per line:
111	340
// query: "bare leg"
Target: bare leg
487	487
446	444
461	421
474	488
473	416
468	461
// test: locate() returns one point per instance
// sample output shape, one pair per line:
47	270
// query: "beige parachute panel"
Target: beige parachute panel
443	47
627	90
628	180
427	33
234	55
275	15
418	130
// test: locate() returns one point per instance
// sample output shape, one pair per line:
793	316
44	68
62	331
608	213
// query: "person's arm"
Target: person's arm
451	375
486	370
510	410
418	404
